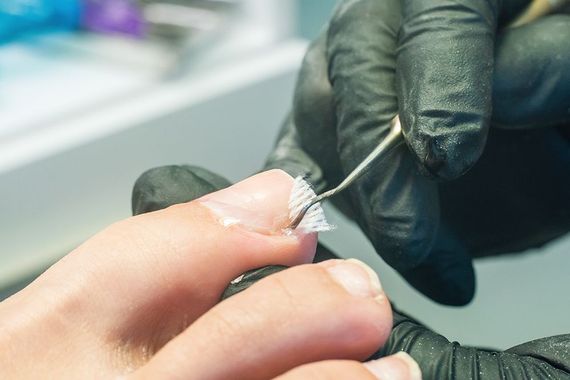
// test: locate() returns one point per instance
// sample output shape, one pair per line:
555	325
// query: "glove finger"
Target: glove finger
531	83
447	275
445	67
439	358
397	208
164	186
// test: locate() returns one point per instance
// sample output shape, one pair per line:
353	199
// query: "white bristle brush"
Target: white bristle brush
314	220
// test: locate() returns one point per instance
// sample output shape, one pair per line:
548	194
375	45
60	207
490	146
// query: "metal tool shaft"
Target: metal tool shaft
392	140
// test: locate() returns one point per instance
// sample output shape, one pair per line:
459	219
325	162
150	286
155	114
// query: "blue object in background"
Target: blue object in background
23	17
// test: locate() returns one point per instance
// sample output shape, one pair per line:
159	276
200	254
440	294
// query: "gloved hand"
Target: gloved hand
450	71
438	358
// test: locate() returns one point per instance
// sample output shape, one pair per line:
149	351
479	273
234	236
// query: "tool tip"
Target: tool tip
303	214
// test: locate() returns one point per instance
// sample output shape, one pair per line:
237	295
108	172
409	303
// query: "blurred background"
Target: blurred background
95	92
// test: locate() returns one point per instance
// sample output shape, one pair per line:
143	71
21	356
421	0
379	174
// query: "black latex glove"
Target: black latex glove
439	359
546	358
443	65
165	186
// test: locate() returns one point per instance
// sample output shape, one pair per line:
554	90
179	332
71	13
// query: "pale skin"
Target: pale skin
141	300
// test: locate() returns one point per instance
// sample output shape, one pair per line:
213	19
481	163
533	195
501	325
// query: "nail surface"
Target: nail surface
356	277
400	366
258	203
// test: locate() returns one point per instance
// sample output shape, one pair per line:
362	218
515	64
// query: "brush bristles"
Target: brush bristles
314	220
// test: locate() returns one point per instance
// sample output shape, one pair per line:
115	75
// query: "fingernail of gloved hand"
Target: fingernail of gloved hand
356	277
259	203
400	366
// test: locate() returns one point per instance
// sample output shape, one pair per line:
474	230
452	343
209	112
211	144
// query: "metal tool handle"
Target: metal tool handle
392	140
